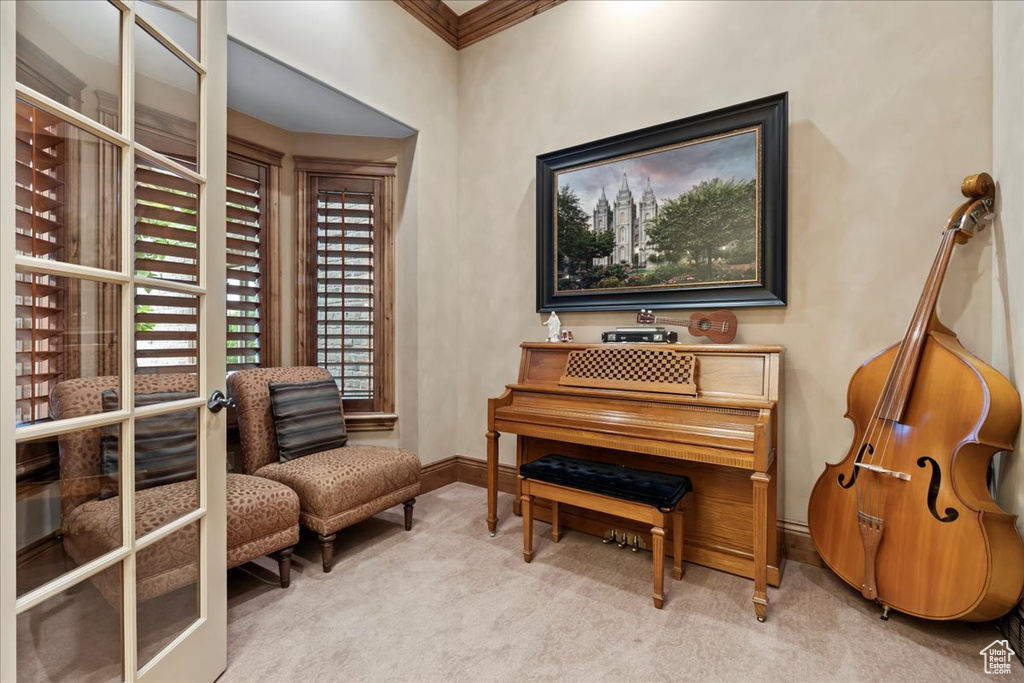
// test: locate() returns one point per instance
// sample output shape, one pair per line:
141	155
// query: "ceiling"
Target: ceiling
460	7
269	90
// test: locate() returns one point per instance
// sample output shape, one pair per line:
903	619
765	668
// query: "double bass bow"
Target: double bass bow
906	517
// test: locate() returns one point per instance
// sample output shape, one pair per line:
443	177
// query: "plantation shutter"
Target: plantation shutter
166	221
346	334
246	263
40	321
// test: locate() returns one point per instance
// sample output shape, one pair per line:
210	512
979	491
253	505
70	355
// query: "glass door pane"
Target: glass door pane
75	635
70	51
105	320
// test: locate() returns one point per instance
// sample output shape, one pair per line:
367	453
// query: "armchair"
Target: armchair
262	515
336	487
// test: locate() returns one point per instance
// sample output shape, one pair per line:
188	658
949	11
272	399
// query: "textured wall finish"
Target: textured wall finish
379	54
1008	170
885	120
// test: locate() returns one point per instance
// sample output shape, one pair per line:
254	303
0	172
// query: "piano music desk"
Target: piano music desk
725	439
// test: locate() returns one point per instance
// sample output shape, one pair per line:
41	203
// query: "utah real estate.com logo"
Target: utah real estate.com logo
997	657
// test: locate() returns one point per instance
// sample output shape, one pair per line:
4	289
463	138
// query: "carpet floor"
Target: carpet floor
446	602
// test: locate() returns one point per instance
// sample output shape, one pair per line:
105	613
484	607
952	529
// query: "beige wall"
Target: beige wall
885	120
1008	237
379	54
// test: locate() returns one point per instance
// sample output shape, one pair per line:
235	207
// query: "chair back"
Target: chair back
80	454
251	391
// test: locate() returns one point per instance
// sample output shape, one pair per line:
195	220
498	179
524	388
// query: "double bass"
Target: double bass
906	517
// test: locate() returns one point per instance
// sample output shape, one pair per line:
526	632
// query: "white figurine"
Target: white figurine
554	326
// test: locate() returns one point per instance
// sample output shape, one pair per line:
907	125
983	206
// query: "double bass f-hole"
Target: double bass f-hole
933	490
856	470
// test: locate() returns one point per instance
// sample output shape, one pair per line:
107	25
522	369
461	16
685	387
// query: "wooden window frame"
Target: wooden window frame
270	242
382	414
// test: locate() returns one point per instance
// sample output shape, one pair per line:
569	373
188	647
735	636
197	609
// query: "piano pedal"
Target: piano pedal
623	540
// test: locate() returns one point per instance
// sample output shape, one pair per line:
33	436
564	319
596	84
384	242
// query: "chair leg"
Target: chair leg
677	546
327	550
556	529
69	565
527	509
658	550
284	565
408	513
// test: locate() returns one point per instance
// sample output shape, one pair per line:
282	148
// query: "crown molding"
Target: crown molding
437	16
478	23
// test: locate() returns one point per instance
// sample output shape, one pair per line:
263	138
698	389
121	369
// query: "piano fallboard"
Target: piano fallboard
718	433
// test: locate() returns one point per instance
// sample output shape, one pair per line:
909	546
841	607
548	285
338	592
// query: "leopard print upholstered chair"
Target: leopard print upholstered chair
336	487
262	515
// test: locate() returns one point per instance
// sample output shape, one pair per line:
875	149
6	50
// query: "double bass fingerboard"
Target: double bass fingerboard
633	369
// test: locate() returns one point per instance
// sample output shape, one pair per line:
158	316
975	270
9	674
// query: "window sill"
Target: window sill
370	422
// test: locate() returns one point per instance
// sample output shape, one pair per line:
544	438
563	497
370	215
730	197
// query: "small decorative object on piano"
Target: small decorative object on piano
567	336
554	326
719	326
639	335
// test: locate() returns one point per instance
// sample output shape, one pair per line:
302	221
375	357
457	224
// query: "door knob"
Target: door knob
218	400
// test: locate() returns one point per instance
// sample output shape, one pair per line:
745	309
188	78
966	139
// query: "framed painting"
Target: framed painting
687	214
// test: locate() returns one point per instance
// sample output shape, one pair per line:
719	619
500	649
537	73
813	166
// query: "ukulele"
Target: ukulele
906	517
719	327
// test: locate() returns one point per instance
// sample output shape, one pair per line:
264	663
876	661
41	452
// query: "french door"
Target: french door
112	289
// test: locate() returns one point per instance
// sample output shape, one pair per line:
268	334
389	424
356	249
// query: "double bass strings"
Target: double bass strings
899	383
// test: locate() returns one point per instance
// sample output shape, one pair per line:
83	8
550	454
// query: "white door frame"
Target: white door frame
200	652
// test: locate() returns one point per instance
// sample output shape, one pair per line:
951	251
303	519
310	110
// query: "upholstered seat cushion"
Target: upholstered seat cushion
660	490
262	516
342	486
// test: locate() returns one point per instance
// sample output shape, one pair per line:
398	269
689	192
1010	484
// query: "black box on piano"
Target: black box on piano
639	335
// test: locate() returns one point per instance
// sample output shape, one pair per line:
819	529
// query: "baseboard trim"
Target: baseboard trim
439	474
461	468
799	547
474	471
466	470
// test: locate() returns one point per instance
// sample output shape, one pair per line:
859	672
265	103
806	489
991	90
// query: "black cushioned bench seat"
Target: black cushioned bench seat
657	489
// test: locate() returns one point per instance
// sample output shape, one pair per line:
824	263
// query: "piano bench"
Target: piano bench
639	495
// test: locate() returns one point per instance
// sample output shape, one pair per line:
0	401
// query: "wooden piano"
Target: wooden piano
627	403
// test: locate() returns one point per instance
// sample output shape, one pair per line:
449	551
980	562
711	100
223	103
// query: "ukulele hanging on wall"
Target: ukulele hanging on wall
719	327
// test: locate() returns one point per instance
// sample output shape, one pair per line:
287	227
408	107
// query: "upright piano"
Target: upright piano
630	404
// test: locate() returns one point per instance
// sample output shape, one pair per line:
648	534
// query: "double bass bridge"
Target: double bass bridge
881	470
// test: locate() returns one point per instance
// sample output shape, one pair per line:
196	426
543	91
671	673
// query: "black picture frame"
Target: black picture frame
770	114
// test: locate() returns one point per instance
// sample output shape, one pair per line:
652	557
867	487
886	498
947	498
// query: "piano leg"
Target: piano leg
658	550
527	527
677	541
760	481
492	481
